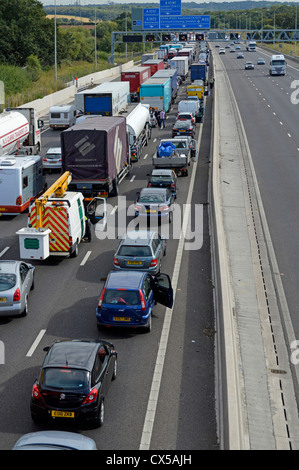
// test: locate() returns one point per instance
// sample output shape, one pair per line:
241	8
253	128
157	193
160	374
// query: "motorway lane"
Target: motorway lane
271	124
63	304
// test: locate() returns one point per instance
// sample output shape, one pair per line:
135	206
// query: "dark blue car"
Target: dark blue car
128	297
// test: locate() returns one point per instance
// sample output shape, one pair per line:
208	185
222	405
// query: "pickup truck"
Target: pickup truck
176	154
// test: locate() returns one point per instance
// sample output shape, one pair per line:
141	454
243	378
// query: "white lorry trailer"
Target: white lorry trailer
20	131
107	99
138	130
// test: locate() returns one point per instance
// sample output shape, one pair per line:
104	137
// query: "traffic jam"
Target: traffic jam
66	194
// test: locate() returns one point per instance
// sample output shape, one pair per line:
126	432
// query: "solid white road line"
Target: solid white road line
36	342
156	382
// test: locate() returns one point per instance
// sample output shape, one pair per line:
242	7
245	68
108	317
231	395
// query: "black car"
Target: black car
183	128
163	179
74	380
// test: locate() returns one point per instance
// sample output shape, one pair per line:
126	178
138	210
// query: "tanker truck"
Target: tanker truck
138	130
20	132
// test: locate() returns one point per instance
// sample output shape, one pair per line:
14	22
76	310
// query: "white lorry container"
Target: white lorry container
107	99
21	181
20	131
138	130
62	117
181	64
251	46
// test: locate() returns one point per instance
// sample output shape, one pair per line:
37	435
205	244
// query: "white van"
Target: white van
189	106
62	116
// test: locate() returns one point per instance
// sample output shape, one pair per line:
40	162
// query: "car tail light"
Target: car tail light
153	263
163	208
36	395
137	208
44	159
142	300
149	185
101	298
172	185
91	397
17	295
19	201
115	262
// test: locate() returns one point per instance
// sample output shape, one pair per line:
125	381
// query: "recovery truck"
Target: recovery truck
58	222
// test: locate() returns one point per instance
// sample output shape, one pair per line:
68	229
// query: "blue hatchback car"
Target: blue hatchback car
128	298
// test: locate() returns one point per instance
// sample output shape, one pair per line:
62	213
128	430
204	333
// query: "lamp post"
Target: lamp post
55	42
95	38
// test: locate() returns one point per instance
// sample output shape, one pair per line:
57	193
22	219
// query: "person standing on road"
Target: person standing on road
162	118
212	81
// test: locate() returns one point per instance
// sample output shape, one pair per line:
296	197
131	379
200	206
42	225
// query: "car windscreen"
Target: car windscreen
65	378
278	62
121	297
139	250
7	281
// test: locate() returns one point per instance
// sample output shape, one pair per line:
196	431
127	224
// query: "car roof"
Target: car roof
153	190
54	150
162	172
125	279
9	266
143	237
72	353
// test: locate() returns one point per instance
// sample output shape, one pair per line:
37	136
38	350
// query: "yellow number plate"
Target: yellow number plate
2	299
134	262
122	319
62	414
151	211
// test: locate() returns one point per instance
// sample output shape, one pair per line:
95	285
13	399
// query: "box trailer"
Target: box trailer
156	92
154	65
180	64
172	74
136	76
198	71
96	153
107	99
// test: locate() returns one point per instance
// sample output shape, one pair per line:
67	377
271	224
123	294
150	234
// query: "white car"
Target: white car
221	50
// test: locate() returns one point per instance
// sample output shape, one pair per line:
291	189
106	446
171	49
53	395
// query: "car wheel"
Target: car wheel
114	370
148	327
76	251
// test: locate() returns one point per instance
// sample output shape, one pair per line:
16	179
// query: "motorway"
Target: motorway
64	300
63	306
269	110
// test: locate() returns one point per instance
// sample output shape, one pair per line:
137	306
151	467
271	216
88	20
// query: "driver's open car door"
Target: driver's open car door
96	211
163	291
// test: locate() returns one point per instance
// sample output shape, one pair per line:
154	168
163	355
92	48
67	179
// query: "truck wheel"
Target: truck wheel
114	191
76	251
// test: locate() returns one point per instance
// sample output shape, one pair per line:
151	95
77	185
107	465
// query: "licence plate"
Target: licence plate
62	414
53	161
2	299
134	262
122	318
151	211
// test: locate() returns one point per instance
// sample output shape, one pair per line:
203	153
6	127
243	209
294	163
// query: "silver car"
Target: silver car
53	159
140	250
54	440
16	282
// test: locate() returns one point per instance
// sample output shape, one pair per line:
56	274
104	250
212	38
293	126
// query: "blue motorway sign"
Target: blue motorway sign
151	18
185	22
170	7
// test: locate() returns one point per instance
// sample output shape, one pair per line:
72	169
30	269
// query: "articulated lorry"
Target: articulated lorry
138	130
20	132
107	99
96	153
156	92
